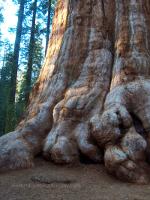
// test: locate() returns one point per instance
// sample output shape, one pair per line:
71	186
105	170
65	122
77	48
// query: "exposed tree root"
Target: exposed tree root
125	149
15	153
83	103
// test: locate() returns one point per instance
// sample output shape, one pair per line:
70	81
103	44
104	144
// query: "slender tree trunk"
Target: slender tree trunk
48	24
92	96
31	51
14	69
16	52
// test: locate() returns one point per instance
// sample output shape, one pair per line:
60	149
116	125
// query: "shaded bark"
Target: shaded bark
86	100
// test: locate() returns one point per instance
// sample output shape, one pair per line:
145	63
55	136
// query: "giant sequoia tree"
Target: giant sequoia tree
93	93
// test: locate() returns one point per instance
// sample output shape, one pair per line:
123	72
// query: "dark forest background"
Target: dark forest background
20	63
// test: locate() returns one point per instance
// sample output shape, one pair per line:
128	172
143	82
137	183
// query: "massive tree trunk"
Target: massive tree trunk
92	97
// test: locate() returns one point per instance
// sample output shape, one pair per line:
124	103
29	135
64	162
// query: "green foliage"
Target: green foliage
11	114
37	63
5	85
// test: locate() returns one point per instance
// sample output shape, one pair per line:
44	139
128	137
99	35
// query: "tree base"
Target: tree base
92	96
125	150
15	153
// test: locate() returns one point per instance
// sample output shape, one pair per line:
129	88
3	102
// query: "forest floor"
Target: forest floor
47	181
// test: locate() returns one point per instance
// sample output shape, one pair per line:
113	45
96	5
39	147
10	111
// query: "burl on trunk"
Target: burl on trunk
92	97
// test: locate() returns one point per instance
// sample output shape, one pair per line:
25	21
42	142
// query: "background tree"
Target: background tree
31	50
48	23
5	85
36	66
15	66
1	21
15	110
16	51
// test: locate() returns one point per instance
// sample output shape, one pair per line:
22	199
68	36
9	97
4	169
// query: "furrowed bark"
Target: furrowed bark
19	147
83	99
129	96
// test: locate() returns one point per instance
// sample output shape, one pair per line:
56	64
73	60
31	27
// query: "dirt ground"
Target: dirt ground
47	181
